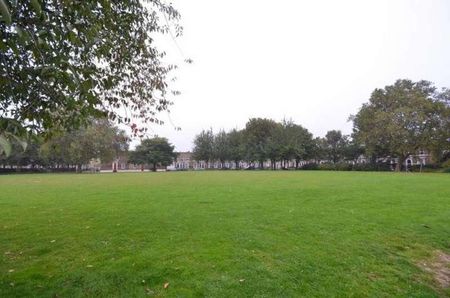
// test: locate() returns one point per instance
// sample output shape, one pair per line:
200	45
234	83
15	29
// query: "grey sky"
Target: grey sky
313	61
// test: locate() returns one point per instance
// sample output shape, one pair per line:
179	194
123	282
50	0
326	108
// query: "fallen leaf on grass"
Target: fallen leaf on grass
52	241
166	285
11	270
241	280
89	266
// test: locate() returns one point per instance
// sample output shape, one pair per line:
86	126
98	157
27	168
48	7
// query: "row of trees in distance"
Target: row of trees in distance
265	139
398	121
100	140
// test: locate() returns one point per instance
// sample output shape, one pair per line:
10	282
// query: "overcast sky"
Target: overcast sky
315	62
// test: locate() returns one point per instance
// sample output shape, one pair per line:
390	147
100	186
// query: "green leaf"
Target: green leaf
75	75
36	6
24	37
3	46
21	142
5	145
40	41
72	37
4	11
41	32
86	85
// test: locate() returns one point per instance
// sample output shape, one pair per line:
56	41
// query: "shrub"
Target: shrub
446	164
425	168
343	166
310	166
327	167
372	167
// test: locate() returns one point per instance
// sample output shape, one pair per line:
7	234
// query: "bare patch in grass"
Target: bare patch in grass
439	267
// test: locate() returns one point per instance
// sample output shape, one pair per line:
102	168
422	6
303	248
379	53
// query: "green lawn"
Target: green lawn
222	234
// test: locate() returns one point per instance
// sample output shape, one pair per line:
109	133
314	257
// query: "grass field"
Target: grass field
223	234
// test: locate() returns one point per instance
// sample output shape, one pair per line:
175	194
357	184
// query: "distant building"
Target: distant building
185	161
422	157
120	163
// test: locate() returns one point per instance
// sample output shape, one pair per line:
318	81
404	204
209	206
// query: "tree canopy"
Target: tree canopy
99	140
64	62
204	146
236	146
297	142
257	135
403	118
155	151
261	140
221	147
335	144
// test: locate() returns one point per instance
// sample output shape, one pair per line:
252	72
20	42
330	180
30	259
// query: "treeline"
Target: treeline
278	142
398	121
68	151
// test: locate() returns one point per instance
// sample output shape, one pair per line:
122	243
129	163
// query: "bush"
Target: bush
446	164
310	166
36	170
372	167
327	167
425	168
342	166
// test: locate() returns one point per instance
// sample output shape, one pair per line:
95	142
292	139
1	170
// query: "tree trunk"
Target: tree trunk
296	164
400	161
154	167
237	164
